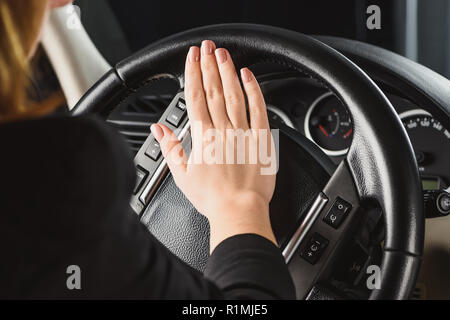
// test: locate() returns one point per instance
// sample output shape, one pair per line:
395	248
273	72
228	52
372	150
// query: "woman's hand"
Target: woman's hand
222	178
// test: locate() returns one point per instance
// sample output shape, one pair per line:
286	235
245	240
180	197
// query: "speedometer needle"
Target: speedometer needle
348	133
323	130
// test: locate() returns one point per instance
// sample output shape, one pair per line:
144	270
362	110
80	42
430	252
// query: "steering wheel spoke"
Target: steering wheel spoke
324	232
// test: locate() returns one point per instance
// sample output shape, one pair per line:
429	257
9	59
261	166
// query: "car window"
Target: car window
412	28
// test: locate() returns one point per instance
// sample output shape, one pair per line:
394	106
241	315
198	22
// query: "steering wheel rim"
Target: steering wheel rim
380	160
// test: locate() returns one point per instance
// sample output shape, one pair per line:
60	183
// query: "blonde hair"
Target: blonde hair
20	24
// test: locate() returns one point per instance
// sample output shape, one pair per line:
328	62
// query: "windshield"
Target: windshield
417	29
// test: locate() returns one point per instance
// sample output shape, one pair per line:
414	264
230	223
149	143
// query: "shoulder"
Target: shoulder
62	169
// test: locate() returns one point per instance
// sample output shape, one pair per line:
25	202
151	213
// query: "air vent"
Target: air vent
133	117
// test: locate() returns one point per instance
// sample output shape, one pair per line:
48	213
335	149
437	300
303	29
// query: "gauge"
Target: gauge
328	124
431	143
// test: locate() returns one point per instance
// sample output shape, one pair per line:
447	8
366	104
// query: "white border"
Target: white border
415	112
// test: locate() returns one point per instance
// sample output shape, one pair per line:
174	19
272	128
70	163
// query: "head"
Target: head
21	23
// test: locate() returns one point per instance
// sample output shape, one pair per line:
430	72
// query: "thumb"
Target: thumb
171	149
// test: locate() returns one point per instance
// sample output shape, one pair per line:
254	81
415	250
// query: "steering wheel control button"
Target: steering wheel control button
181	105
176	116
337	213
315	246
153	150
141	175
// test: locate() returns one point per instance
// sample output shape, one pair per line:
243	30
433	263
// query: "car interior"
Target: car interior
363	117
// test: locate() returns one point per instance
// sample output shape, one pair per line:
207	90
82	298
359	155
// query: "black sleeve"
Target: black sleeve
249	266
241	267
65	189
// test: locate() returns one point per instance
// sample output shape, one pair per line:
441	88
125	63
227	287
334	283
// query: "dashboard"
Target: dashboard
318	114
306	106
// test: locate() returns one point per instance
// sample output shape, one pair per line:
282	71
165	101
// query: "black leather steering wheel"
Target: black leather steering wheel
380	168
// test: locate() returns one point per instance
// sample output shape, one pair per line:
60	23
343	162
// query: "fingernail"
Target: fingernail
194	54
246	75
221	55
208	47
158	133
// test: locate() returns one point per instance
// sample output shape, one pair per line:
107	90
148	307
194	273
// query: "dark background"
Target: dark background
418	29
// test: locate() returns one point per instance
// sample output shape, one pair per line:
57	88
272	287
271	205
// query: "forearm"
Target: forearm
249	266
237	269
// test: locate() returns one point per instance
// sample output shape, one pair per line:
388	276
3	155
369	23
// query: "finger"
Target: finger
212	84
256	104
194	94
232	91
172	151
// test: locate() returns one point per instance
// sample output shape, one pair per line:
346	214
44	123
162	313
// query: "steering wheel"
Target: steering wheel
380	168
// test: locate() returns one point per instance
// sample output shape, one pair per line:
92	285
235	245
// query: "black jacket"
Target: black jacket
65	184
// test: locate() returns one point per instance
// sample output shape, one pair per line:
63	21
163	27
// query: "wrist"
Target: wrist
246	214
